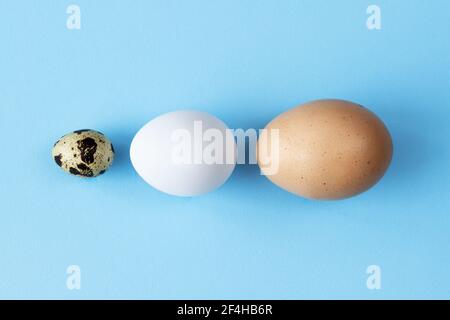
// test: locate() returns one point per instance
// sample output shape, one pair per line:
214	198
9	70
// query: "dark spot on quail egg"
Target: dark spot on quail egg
58	159
74	171
81	131
85	170
87	147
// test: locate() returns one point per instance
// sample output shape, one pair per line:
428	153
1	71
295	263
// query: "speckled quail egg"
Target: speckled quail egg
84	153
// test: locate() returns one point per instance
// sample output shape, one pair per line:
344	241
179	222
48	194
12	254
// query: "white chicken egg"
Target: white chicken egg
184	153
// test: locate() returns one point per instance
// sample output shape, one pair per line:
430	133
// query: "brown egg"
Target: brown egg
326	149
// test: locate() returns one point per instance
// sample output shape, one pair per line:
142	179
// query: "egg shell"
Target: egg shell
328	149
84	153
152	149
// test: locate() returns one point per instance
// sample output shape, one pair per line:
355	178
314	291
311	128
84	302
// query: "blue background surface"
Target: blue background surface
245	62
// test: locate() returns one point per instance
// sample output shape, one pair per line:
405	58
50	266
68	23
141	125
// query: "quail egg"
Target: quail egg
84	153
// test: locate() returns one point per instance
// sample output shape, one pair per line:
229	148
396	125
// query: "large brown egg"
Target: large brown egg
326	149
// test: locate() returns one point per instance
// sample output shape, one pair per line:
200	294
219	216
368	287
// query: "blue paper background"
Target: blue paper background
245	61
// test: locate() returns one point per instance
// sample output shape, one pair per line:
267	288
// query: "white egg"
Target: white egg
184	153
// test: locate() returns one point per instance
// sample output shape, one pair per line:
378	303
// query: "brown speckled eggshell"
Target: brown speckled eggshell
84	153
329	149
